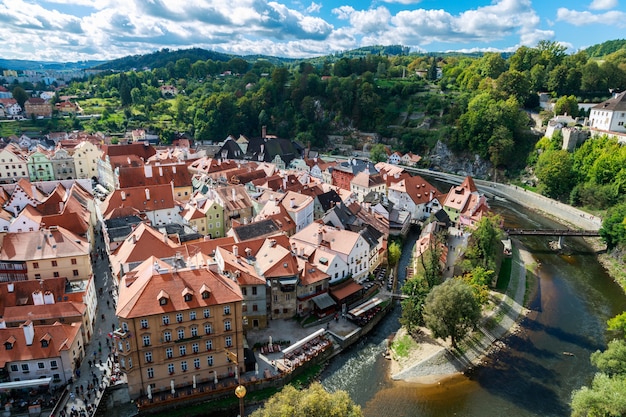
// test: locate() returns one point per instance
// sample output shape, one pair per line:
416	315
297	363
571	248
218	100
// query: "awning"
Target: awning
25	384
301	342
370	304
291	281
323	301
346	291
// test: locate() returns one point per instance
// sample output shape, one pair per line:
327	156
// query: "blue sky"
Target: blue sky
72	30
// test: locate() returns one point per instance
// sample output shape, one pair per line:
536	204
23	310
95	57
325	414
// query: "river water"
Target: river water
532	376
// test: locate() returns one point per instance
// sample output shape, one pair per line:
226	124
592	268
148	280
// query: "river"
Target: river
532	376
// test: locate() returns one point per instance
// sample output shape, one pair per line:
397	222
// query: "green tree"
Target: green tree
378	153
416	290
605	398
314	401
613	230
451	310
554	171
567	105
20	95
393	254
483	243
613	360
479	279
617	324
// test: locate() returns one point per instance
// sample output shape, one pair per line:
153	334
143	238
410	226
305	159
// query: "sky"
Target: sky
76	30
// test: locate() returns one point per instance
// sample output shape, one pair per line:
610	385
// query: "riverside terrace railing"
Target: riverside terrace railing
551	232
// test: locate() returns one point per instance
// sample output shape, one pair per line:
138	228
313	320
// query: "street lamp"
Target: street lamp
240	392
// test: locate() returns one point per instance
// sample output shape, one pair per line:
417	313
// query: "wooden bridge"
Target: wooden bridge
552	232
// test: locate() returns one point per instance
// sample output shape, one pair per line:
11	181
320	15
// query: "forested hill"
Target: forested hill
160	59
605	48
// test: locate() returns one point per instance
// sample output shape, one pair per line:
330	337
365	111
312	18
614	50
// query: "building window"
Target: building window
25	368
130	362
253	290
194	331
209	360
144	323
181	333
163	301
187	297
169	353
148	356
183	366
167	336
37	276
244	291
207	328
14	368
40	365
125	326
255	307
192	315
227	325
228	341
166	320
209	345
179	317
35	265
170	368
75	272
53	364
182	350
195	348
226	310
150	372
207	312
56	274
54	263
73	261
146	340
196	363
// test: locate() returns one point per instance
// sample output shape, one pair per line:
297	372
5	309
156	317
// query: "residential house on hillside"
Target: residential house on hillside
410	159
37	107
610	115
177	322
364	183
39	352
9	108
464	204
394	158
205	216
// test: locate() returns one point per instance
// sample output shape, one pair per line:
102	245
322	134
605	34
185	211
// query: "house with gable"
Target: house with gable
464	204
158	174
114	156
23	193
13	164
49	353
610	115
394	158
204	215
62	165
40	165
415	195
37	107
86	155
410	159
155	202
366	182
236	203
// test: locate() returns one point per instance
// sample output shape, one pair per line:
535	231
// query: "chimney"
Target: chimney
29	332
320	237
123	195
285	183
235	250
37	296
292	203
48	297
147	194
263	131
147	169
134	238
160	171
233	193
174	169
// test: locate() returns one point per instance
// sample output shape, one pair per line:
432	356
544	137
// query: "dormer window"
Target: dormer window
206	295
8	346
163	297
44	343
187	294
45	340
204	291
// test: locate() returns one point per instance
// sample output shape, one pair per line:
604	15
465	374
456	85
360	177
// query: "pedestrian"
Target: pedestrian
108	304
89	361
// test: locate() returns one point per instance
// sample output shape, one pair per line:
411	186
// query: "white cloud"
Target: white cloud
603	4
405	2
576	18
314	7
